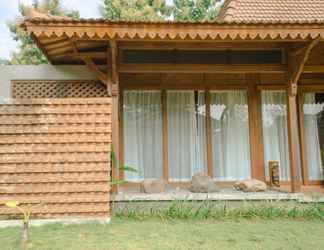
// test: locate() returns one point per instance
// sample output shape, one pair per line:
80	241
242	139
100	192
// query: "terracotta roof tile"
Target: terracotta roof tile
273	11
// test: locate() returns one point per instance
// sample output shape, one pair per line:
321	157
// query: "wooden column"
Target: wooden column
209	141
293	141
255	127
113	81
165	139
296	63
115	133
304	161
121	135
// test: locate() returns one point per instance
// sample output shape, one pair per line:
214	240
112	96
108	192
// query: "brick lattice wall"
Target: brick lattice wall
56	151
26	89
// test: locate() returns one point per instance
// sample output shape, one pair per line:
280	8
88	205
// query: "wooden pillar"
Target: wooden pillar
293	140
115	133
165	139
303	153
121	135
296	63
255	127
210	165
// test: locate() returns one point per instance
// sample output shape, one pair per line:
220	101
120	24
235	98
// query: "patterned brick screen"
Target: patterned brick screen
25	89
56	151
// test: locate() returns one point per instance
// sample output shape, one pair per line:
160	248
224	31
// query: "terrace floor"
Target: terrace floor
308	194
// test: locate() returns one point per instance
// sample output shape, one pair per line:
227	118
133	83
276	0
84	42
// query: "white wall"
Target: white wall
40	72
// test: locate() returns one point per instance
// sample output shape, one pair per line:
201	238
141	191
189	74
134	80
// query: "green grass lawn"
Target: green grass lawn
177	234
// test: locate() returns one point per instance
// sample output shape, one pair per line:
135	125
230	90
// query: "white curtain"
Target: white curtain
312	111
230	126
143	134
275	131
186	133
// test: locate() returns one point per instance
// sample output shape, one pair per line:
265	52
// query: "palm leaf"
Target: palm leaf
128	169
118	182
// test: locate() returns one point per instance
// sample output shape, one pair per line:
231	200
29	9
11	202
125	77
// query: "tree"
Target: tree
135	10
159	10
196	10
28	51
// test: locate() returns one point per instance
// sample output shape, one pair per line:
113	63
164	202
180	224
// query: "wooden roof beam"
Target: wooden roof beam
93	55
200	68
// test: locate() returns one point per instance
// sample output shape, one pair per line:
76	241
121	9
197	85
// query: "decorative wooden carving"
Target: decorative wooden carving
100	29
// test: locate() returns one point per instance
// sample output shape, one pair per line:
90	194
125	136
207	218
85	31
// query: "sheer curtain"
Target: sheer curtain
143	134
275	131
186	133
312	111
230	126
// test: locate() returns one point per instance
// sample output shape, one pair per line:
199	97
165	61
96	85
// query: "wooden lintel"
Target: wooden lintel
200	68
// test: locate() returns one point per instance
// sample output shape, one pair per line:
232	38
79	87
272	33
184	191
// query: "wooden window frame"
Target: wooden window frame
314	88
277	87
207	88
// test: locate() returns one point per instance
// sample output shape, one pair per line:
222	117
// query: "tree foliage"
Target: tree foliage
160	10
28	52
135	10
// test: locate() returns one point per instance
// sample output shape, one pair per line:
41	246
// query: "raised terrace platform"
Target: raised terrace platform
225	194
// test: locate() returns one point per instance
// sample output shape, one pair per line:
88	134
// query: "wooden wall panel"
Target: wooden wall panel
57	152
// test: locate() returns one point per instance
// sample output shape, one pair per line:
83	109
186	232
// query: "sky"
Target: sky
9	10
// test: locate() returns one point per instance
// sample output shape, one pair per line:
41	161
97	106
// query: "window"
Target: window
313	109
186	133
275	131
230	135
143	134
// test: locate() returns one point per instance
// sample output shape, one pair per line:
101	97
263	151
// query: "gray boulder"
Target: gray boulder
251	186
202	183
153	186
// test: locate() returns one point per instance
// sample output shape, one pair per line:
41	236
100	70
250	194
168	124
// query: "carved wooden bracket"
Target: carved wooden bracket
93	67
296	64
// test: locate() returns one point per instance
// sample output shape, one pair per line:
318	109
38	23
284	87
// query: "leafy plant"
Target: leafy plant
26	211
118	168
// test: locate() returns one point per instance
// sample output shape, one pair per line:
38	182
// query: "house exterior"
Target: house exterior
173	99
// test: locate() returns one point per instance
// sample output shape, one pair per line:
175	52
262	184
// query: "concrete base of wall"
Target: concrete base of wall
66	221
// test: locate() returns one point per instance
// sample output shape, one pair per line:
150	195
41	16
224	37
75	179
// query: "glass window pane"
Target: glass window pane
143	134
186	133
275	131
314	133
230	135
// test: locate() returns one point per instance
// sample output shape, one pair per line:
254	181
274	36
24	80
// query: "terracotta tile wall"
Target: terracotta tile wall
56	151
